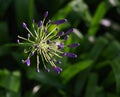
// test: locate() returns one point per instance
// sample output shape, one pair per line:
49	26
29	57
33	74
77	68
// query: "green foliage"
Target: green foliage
10	81
100	13
96	70
75	69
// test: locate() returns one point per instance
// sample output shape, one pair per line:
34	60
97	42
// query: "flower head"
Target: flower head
58	22
46	14
45	42
24	25
57	69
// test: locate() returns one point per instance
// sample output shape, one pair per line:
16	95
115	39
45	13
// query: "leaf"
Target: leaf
97	48
8	93
80	10
62	13
24	11
10	81
74	10
109	80
72	70
99	14
111	95
112	50
100	92
80	82
116	69
4	38
3	7
102	64
12	94
91	86
43	78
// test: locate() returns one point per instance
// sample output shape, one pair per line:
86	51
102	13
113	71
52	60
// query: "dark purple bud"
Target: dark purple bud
32	53
18	41
33	20
46	14
66	37
28	62
69	31
64	54
48	41
24	25
73	45
71	55
45	30
58	62
57	69
55	42
58	22
40	24
49	21
47	69
60	33
61	46
28	35
62	43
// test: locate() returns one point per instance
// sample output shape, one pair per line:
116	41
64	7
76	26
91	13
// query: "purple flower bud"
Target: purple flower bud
64	54
60	34
73	45
49	21
24	25
58	62
58	22
33	20
57	69
32	53
48	41
40	24
28	62
28	35
18	41
66	37
61	46
69	31
46	14
71	55
45	30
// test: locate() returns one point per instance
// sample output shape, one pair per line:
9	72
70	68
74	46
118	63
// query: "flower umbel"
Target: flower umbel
45	42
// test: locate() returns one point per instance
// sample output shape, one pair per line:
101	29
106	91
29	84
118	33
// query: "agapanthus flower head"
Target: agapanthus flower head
46	43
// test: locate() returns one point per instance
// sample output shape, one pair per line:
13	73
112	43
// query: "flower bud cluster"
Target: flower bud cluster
46	43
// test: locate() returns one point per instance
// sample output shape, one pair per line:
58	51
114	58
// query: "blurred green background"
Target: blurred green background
96	71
